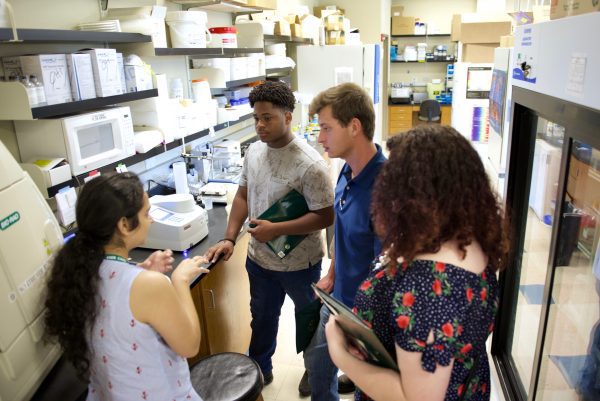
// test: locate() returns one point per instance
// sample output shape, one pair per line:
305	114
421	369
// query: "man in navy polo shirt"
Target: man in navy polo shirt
347	121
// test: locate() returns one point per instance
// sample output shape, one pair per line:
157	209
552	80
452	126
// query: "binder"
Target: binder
357	332
290	207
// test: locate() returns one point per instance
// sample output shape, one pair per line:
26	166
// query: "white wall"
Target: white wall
64	14
437	12
433	12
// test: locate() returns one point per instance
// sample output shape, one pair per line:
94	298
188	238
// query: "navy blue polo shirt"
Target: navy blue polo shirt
356	244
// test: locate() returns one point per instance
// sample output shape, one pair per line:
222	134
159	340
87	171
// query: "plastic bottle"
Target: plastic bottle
31	91
39	90
176	89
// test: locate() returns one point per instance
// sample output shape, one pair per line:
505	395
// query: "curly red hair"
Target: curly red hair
433	189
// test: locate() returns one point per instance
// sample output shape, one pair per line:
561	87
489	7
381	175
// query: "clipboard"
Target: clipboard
290	207
357	332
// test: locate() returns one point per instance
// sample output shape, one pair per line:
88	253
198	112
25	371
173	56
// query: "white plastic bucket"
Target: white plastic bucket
188	28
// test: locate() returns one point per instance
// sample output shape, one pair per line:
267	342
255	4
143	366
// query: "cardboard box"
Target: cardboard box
403	25
121	68
51	70
565	8
138	76
12	67
310	27
397	11
296	30
335	38
55	171
476	29
107	77
270	4
507	41
323	11
81	76
282	27
479	52
334	22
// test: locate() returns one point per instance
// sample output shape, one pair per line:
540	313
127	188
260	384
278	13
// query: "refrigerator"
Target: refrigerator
500	112
546	340
321	67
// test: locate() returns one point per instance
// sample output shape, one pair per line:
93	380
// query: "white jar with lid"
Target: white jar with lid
201	91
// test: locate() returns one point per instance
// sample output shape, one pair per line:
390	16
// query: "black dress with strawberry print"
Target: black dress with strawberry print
405	302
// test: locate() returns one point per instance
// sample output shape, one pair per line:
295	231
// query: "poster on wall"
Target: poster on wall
497	96
526	50
480	131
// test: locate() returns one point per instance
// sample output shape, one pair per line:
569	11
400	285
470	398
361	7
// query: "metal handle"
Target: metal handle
212	297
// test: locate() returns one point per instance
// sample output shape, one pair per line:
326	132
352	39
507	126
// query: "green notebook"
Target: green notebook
290	207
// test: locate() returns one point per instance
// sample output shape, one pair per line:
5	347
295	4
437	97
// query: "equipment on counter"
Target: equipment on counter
215	191
179	223
401	94
29	236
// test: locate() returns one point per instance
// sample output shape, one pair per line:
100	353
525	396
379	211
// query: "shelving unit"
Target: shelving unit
423	62
226	6
140	157
71	36
278	71
236	83
285	38
208	52
422	36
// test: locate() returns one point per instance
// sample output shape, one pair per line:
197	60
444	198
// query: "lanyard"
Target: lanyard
110	256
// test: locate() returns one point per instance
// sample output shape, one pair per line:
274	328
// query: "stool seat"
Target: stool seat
228	376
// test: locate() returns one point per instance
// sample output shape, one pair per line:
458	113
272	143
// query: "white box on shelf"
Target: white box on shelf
12	66
223	64
52	71
253	67
55	171
121	67
107	77
239	68
138	76
156	113
81	76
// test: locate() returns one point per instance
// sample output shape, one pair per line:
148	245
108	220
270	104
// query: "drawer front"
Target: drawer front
405	110
400	117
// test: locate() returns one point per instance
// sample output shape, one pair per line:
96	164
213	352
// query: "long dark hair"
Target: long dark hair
73	283
434	189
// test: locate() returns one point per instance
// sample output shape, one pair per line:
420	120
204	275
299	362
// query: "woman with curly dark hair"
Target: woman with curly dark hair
432	296
129	328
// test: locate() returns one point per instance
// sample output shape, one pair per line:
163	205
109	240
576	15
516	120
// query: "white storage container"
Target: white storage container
138	76
145	20
187	28
224	36
239	68
223	64
81	76
52	71
107	77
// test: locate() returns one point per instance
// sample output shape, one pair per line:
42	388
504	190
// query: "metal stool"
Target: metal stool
227	376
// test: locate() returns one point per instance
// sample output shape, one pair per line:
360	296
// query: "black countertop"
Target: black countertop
217	224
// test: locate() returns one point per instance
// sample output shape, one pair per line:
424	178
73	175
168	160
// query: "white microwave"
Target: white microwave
88	141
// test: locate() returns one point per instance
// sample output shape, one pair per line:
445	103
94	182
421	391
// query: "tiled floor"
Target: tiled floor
288	367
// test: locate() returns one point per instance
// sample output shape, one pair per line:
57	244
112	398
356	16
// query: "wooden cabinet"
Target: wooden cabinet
399	119
402	118
222	300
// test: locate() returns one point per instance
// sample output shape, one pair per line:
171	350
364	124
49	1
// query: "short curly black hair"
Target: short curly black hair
275	92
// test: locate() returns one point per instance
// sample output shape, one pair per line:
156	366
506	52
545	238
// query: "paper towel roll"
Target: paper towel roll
180	178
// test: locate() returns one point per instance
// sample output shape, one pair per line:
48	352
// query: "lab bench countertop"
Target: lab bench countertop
217	224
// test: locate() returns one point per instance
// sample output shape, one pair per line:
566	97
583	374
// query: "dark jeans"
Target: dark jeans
267	293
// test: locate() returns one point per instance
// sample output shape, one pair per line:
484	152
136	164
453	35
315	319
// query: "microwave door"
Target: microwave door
93	145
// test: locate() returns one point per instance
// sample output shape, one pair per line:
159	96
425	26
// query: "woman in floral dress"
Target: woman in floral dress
432	296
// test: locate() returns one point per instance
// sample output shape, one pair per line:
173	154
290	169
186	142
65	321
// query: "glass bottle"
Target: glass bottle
31	91
39	90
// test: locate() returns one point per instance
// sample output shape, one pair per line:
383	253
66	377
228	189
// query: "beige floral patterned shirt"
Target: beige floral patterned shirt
269	174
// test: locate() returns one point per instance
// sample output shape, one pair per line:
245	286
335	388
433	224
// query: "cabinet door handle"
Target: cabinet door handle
212	297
